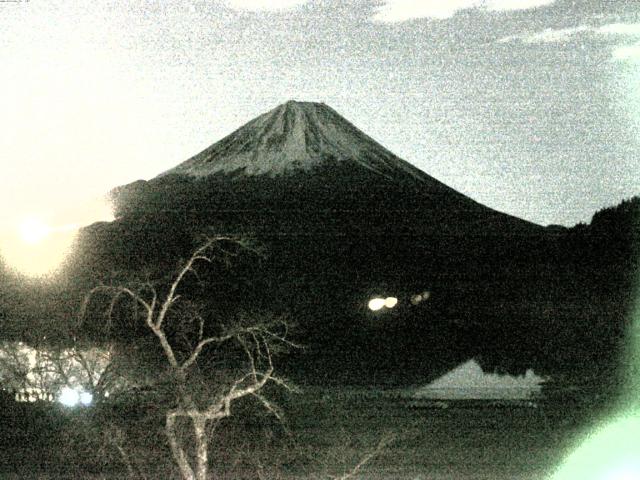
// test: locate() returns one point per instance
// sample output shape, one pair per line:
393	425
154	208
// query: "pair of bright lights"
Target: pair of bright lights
71	397
378	303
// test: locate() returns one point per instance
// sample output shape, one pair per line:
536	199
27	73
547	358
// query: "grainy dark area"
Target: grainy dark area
328	431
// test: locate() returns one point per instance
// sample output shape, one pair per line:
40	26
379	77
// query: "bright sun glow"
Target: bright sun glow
34	230
37	245
35	248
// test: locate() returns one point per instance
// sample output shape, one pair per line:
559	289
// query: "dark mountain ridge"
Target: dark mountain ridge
342	219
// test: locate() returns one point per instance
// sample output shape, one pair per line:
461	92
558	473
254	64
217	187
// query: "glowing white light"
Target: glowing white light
69	397
627	52
376	304
419	297
34	230
610	452
36	248
86	398
390	302
626	472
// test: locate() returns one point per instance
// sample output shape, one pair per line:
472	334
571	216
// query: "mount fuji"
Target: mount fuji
304	156
342	220
297	136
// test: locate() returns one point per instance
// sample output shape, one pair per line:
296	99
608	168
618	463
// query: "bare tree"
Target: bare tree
16	364
161	315
39	371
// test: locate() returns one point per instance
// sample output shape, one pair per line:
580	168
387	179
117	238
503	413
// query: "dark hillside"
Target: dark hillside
341	220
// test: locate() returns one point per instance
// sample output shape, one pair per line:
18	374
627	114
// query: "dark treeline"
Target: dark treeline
511	294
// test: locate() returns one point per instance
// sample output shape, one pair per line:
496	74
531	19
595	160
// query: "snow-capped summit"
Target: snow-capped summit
294	137
306	156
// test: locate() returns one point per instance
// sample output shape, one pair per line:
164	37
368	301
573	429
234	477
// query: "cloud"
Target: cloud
620	29
265	5
510	5
551	35
548	35
401	10
394	11
626	52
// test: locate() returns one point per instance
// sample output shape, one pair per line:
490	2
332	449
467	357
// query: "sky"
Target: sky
531	107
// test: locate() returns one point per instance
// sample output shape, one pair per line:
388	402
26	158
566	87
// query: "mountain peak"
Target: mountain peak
295	136
300	104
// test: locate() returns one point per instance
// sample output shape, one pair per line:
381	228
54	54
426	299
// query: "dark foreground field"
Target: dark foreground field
435	440
329	433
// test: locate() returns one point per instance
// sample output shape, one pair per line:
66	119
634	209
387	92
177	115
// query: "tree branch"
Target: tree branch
188	267
201	344
382	444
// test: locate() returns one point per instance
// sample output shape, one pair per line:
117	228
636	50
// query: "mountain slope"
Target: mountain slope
297	136
342	219
306	157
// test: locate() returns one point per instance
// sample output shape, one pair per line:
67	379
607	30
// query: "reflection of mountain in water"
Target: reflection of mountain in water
469	382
